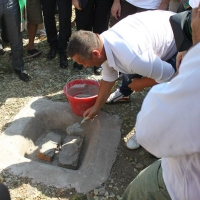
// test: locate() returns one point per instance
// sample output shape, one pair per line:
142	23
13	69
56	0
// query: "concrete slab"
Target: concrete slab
99	152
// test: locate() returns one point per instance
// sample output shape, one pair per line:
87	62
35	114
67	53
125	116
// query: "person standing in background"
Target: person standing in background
92	15
34	17
122	8
10	11
57	43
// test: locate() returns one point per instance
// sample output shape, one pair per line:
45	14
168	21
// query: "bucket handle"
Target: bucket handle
78	76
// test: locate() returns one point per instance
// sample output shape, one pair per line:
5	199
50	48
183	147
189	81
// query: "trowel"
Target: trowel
76	128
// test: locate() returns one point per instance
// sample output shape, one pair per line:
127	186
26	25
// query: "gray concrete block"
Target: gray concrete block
70	152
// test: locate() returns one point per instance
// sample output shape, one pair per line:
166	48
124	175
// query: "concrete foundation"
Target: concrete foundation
98	154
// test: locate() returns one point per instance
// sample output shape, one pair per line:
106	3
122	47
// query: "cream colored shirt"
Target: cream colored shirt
141	44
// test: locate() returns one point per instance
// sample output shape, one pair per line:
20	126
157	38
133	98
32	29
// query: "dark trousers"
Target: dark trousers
4	193
9	10
4	35
126	80
126	9
65	12
94	16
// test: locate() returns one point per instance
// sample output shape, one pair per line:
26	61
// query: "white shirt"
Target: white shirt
137	44
194	3
168	126
147	4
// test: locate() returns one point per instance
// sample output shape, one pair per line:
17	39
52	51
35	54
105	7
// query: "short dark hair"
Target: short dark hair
82	43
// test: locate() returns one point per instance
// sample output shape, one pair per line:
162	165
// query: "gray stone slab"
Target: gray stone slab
102	137
69	154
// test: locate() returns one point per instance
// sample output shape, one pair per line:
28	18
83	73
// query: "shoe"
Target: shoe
34	53
23	75
52	53
117	97
76	66
132	142
63	61
97	70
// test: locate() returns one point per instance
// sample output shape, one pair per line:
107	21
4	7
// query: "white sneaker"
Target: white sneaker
132	142
116	97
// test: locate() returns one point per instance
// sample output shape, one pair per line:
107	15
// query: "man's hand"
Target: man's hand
136	85
76	4
195	25
103	94
116	9
91	112
179	58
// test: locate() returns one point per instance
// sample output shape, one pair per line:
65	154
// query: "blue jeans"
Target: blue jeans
9	10
65	12
126	80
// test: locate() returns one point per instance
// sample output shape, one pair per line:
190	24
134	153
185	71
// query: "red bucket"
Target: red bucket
81	94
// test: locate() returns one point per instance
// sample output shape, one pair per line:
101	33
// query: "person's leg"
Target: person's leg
1	47
42	31
127	79
84	17
34	16
4	34
101	15
84	21
4	193
12	21
50	25
65	12
1	41
100	23
149	184
32	28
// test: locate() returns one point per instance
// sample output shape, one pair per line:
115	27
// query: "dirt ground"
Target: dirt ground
47	80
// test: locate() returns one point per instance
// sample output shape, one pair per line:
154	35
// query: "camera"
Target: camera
181	26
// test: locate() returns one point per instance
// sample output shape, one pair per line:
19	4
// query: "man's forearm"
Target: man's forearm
148	82
104	92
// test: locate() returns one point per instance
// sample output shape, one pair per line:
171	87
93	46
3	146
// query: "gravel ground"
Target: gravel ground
47	80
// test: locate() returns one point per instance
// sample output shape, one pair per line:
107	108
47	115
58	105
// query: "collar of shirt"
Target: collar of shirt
109	54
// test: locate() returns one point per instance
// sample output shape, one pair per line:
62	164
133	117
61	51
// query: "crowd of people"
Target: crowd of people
141	45
91	15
